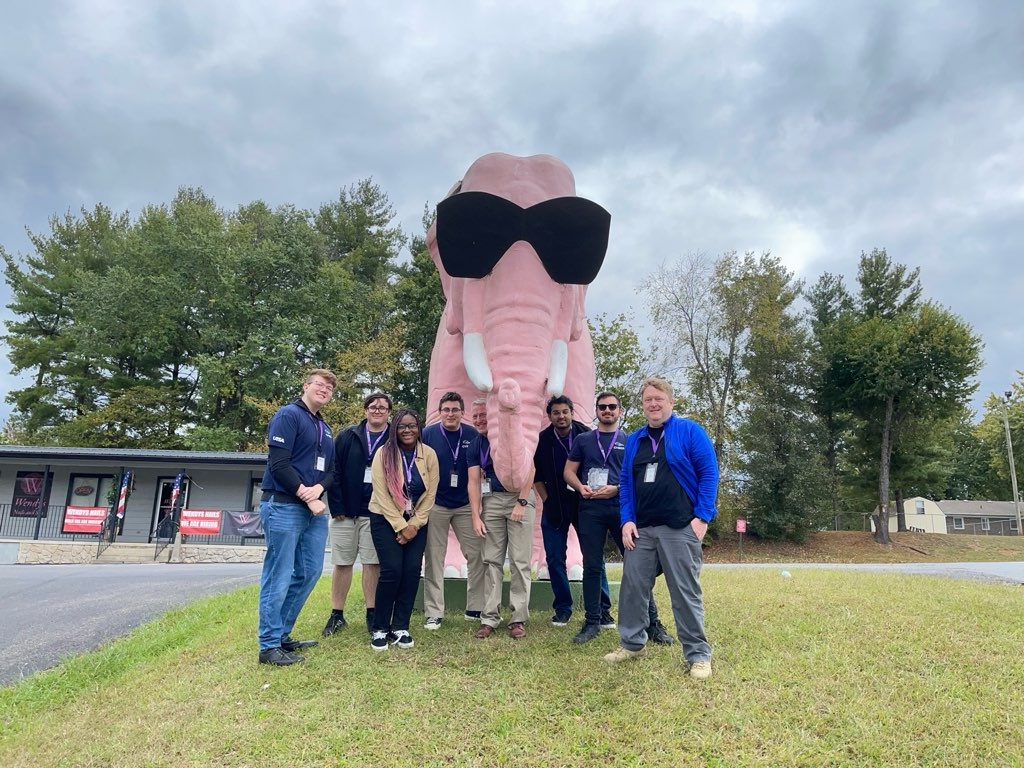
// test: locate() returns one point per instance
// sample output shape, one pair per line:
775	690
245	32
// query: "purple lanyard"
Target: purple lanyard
605	455
370	448
485	455
408	467
654	445
559	439
458	445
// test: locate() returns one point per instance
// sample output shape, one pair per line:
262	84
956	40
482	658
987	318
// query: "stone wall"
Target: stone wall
75	552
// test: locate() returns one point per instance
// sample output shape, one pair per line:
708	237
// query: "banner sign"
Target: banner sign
27	487
84	519
242	523
200	522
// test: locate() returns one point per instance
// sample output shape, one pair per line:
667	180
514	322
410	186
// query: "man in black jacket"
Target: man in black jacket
560	505
349	496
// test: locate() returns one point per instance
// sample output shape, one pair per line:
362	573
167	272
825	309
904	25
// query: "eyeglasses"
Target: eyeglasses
378	408
407	427
450	411
607	406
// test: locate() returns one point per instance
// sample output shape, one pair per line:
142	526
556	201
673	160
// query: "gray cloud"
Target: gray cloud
813	131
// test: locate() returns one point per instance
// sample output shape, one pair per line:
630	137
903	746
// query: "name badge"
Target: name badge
597	478
650	473
453	480
485	486
408	505
367	475
321	463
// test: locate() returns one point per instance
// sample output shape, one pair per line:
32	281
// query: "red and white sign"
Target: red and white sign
741	525
200	522
84	519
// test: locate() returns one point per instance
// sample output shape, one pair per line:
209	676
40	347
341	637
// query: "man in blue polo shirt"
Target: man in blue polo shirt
667	492
300	465
592	469
450	440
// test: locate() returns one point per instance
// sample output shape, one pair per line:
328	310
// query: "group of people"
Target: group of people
394	489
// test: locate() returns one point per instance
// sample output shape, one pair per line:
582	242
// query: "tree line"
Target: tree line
187	326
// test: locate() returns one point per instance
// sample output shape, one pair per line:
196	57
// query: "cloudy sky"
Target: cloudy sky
813	130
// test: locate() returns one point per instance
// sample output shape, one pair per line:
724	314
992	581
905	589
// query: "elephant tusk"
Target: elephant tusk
474	357
559	364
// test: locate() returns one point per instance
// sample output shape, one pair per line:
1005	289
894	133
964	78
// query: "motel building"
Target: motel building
59	500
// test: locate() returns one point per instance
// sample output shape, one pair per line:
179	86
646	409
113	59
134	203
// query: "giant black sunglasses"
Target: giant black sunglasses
569	234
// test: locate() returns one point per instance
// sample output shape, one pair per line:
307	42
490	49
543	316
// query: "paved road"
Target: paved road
1011	573
48	612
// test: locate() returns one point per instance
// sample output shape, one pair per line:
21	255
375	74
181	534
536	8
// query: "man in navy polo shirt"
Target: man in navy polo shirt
450	440
350	510
300	465
593	471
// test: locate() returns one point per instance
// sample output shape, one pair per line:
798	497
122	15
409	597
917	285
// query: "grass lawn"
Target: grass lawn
823	668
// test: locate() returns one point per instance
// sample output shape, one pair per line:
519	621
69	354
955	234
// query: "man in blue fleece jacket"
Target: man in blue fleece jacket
667	491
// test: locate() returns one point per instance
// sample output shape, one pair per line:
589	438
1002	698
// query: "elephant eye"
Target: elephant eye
569	234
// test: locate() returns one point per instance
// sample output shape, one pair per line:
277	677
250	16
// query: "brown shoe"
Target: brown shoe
516	630
485	631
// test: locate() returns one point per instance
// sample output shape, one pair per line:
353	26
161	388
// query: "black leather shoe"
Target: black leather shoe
279	657
658	634
588	633
296	645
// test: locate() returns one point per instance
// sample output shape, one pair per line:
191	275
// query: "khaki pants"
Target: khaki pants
504	535
461	521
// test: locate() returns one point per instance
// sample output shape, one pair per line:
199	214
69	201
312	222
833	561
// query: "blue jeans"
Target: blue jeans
399	581
296	539
556	540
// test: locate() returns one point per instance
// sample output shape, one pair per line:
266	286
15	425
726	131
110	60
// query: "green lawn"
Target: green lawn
823	668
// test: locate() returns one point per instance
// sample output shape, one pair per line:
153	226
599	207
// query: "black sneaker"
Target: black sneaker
561	618
379	640
607	620
472	616
402	639
587	633
432	623
659	634
297	645
279	657
336	622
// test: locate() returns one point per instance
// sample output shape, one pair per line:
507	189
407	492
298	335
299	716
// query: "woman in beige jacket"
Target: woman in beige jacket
405	477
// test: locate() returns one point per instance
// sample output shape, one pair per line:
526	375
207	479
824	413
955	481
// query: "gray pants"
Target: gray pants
678	550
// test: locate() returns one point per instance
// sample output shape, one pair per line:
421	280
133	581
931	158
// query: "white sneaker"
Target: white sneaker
432	623
700	670
403	639
379	641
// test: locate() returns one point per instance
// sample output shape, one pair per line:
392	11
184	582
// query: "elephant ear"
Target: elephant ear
474	229
570	235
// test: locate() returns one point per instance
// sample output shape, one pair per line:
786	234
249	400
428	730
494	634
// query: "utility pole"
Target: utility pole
1009	454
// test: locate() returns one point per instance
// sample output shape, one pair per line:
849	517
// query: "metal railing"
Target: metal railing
164	534
107	534
47	525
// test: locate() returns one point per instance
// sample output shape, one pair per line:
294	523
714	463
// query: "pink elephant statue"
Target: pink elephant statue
515	249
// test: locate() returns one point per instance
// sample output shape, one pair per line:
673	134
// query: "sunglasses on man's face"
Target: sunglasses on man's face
607	406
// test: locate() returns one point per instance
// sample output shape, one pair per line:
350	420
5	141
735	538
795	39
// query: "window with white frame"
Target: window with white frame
1013	525
920	506
958	523
985	524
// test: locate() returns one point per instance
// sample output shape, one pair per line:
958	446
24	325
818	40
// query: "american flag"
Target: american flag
122	499
176	490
